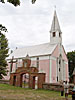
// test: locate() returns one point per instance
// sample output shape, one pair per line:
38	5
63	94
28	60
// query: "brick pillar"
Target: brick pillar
19	80
41	80
33	82
30	81
11	79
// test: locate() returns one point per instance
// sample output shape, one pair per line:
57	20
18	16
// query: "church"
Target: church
49	58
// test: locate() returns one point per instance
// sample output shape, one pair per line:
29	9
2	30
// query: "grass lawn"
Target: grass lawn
8	92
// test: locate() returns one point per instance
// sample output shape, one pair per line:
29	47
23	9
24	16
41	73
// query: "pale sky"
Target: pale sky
29	24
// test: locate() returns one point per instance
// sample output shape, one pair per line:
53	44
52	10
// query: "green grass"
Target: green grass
8	92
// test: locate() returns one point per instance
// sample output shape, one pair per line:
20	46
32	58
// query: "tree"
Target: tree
71	61
16	2
3	51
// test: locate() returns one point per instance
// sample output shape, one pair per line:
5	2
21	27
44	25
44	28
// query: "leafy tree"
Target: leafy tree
3	51
2	1
71	61
16	2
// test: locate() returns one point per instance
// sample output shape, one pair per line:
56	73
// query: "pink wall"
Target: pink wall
14	67
66	65
44	66
56	52
33	63
53	71
67	74
64	55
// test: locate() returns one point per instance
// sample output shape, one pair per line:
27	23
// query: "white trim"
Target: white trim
65	62
40	58
44	58
52	58
34	59
57	67
50	70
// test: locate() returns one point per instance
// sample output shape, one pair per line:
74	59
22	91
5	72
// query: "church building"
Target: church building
49	58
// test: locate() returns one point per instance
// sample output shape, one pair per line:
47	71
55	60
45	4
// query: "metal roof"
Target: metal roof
55	24
35	50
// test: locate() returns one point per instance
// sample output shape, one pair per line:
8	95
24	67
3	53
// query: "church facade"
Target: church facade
49	58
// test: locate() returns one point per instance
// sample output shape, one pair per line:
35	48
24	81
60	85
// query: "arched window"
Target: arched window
59	34
37	62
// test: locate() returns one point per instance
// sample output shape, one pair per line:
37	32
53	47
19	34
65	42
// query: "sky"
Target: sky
29	24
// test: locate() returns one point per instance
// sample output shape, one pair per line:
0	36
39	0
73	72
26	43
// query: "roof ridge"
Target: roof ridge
34	45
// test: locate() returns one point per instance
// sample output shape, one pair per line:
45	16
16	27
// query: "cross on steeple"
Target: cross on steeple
54	7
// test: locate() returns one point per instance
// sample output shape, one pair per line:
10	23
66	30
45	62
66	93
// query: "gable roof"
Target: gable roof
32	51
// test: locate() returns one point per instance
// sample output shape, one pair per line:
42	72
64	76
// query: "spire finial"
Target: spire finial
54	7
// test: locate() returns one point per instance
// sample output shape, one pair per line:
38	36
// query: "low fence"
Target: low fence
56	87
4	81
52	86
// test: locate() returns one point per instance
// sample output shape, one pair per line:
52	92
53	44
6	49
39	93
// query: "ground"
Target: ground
8	92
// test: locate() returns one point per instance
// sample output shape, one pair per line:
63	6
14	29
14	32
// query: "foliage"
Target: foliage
33	1
3	51
71	61
2	1
16	2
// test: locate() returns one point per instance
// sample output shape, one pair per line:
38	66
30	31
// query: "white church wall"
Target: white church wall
56	39
64	71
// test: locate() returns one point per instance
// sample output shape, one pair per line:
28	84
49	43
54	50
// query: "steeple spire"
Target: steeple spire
55	32
55	24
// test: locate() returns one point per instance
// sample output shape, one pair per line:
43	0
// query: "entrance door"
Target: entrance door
25	80
14	82
35	82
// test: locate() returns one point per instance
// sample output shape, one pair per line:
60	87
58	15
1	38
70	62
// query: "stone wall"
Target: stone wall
4	81
52	86
56	87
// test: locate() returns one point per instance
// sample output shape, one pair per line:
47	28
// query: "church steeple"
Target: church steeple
55	32
55	24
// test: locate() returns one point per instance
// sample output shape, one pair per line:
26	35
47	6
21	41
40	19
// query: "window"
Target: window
10	67
57	78
59	69
53	34
59	61
38	62
59	34
25	64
